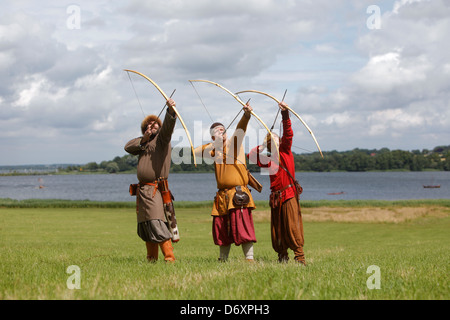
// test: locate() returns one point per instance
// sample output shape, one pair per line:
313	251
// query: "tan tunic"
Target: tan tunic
230	169
154	162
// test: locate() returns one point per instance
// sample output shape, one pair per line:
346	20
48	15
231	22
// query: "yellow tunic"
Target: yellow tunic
230	168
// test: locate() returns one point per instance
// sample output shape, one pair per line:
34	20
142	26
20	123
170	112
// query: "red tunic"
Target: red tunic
279	178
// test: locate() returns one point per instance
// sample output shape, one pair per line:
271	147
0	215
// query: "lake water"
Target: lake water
202	186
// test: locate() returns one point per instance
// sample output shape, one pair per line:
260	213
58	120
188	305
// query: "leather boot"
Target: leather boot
167	250
152	251
283	258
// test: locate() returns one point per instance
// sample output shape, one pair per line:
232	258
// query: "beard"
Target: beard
154	133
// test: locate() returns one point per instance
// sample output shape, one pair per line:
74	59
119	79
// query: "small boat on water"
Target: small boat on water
432	185
335	193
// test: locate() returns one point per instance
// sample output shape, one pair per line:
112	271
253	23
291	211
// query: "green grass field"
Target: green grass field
39	241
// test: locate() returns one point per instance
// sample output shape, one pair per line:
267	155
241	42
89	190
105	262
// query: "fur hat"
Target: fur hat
147	121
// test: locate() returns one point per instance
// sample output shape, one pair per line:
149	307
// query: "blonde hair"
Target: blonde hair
268	138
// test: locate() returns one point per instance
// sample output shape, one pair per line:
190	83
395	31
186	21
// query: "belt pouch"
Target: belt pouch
240	198
133	188
275	199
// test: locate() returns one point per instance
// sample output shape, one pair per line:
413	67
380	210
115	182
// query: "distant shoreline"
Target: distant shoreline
261	204
49	173
356	160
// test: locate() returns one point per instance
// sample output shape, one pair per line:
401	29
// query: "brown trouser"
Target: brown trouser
287	230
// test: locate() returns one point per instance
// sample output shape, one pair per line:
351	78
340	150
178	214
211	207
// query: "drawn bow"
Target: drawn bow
293	112
243	104
174	109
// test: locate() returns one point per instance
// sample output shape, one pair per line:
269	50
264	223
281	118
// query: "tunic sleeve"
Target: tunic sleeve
288	134
260	160
134	146
165	134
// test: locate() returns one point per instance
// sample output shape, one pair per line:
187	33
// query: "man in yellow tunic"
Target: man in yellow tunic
233	203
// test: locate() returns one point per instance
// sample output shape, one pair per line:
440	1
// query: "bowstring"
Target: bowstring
164	106
273	125
278	113
135	93
233	120
302	149
139	101
198	95
204	106
237	115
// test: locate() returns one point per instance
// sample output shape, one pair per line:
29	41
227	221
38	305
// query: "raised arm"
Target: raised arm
288	133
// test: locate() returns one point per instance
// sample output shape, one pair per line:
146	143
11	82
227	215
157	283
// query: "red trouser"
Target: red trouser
235	227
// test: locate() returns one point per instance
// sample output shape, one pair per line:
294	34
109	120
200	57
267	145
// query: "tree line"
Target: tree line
354	160
377	160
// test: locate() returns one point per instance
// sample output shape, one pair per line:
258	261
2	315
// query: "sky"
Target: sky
361	73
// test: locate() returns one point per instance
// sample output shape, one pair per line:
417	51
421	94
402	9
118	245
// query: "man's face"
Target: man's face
154	126
219	133
269	142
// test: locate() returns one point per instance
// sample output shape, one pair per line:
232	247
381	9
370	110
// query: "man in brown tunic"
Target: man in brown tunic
154	150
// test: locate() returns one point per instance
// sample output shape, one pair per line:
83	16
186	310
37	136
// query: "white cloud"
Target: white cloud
387	72
326	48
340	119
392	120
402	89
69	85
398	5
95	79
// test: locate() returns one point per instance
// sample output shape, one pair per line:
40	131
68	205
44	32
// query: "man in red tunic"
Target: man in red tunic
286	218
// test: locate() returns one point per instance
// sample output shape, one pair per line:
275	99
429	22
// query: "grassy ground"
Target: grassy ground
408	242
